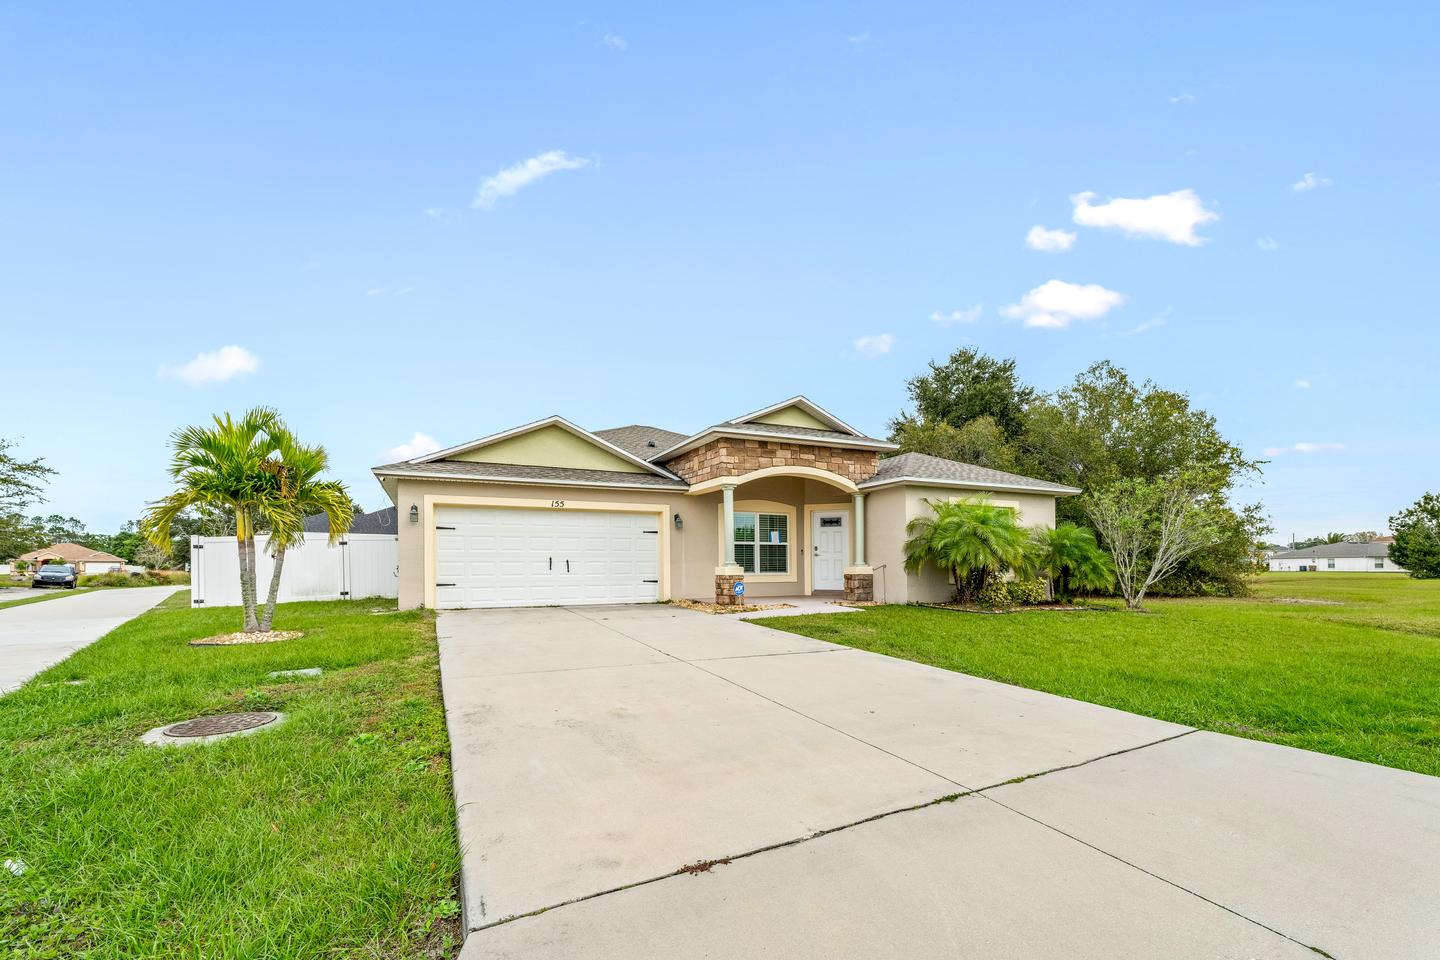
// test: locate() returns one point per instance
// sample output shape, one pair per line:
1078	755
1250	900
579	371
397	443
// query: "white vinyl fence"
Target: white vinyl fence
358	565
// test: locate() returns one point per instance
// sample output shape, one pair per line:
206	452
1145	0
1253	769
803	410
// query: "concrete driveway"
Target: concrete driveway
35	636
646	782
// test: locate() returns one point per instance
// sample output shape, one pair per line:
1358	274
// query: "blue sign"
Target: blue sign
739	588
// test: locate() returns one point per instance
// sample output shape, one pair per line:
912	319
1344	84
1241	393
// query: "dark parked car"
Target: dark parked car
56	575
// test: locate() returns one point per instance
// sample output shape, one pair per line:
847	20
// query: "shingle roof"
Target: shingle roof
640	440
785	430
520	473
922	466
380	521
71	551
1337	550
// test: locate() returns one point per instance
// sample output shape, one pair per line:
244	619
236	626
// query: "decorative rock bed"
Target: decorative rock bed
702	607
232	639
210	729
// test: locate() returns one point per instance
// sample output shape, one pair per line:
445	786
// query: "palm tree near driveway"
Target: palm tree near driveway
254	469
972	540
1071	558
298	492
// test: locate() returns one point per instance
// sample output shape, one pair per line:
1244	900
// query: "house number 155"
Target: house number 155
557	503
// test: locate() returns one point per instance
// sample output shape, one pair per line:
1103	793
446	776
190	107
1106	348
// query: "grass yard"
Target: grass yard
329	836
1356	676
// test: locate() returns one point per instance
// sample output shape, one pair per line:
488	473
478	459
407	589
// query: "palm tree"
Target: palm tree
972	540
221	466
298	492
1071	558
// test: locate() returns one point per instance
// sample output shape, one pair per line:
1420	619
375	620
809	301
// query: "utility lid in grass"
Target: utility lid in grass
209	729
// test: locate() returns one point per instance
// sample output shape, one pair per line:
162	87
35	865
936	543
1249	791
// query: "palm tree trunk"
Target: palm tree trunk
268	617
245	533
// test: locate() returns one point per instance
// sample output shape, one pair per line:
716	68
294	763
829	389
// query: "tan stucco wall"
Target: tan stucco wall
793	417
550	446
887	512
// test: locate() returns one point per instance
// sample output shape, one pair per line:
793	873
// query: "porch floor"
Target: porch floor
818	602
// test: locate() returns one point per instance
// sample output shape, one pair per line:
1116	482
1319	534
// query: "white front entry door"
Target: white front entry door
829	550
504	557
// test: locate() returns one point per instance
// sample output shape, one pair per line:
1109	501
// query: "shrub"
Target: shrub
1025	592
150	578
995	594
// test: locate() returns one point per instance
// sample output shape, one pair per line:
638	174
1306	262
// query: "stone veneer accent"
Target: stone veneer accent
735	456
725	590
859	587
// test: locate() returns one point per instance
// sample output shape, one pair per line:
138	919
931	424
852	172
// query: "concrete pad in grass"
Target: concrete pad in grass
972	731
965	879
1342	855
575	782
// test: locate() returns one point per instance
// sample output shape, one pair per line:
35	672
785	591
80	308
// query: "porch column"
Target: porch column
727	575
859	577
859	559
728	492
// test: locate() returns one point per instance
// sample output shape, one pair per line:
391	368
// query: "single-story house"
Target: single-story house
1372	557
787	500
86	561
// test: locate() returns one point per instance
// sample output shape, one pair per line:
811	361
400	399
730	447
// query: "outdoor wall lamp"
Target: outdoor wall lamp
678	522
414	513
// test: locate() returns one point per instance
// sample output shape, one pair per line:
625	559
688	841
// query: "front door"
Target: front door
829	550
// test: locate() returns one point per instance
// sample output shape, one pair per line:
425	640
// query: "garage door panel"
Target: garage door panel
494	556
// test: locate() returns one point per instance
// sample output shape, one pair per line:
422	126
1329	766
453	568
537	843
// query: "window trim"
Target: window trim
762	506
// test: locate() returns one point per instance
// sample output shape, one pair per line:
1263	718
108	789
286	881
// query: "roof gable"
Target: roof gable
798	412
552	442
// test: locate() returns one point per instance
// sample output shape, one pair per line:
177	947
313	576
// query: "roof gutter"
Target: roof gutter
524	481
1058	490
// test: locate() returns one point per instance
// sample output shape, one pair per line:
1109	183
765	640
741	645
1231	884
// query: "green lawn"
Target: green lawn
1357	678
330	836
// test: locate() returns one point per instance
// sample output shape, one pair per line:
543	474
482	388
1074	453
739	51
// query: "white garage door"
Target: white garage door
499	557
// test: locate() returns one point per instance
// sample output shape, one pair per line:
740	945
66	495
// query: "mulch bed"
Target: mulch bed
232	639
972	608
717	608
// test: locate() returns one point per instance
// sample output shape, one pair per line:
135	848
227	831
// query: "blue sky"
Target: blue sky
722	207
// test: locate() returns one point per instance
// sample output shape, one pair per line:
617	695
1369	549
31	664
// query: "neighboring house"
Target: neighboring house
1372	557
381	521
788	500
86	561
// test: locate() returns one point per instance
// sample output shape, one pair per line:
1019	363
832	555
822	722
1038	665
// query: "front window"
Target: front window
765	534
1330	564
1379	563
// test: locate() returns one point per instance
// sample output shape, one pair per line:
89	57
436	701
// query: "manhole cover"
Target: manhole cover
220	725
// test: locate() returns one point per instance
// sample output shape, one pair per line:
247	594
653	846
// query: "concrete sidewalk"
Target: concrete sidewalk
35	636
606	758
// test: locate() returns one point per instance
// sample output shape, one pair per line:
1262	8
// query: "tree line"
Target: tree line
1144	455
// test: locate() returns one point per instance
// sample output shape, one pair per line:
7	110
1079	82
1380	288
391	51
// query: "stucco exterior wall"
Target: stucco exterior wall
1342	565
549	447
890	509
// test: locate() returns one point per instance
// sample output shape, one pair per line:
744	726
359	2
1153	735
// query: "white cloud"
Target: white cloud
417	446
858	39
1049	241
1304	447
1148	325
1165	216
875	344
614	41
1311	181
227	363
435	213
511	180
955	317
1183	98
1055	304
1303	384
1268	244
